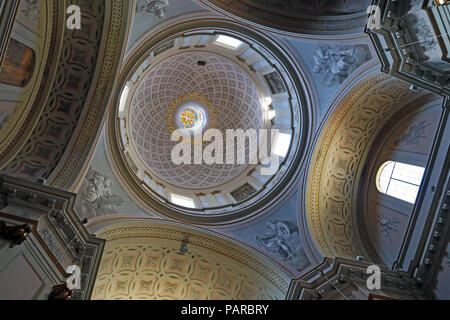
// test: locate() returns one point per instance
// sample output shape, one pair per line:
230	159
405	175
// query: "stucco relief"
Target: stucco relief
415	134
336	63
48	141
280	238
387	225
96	196
155	7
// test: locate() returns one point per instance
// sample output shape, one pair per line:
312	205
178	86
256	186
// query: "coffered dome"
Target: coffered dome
216	91
199	80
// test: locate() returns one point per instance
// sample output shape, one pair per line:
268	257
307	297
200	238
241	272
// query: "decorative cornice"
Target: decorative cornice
299	23
53	209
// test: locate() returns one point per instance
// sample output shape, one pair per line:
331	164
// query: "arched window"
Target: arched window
400	180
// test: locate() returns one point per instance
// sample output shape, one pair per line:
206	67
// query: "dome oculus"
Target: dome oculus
191	118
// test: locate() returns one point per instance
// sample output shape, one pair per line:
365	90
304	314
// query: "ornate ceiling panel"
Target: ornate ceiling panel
318	7
238	82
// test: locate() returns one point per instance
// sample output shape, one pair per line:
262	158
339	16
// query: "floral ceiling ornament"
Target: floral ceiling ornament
16	234
388	225
155	7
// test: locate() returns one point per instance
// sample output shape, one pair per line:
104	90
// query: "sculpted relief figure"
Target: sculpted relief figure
282	239
155	7
277	237
98	199
337	63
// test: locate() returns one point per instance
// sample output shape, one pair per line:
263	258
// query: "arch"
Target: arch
340	154
406	138
146	260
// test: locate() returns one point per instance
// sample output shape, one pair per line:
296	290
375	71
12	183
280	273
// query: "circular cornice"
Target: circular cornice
279	186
